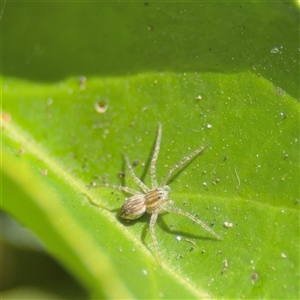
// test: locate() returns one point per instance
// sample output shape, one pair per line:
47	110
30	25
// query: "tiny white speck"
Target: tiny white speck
145	272
178	238
209	126
225	263
100	107
227	224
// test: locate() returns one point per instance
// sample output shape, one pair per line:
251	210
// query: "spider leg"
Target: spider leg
153	236
134	177
154	158
176	210
181	163
120	188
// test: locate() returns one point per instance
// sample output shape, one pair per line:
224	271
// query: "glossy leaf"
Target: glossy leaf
60	136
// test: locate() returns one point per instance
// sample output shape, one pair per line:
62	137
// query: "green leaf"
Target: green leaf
55	142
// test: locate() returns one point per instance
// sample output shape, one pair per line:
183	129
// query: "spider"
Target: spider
155	200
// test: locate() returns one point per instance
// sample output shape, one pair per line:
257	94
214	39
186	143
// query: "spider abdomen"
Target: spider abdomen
133	208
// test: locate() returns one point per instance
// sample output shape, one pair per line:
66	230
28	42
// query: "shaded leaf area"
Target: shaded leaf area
55	143
62	39
30	273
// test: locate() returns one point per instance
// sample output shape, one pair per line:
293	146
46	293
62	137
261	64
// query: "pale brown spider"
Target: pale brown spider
155	200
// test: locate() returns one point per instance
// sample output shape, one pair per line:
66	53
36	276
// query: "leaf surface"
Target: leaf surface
55	143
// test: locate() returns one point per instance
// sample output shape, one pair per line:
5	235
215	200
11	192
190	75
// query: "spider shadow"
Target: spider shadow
165	227
148	162
129	223
177	174
145	169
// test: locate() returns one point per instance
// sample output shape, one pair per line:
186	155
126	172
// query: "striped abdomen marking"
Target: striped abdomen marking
133	208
